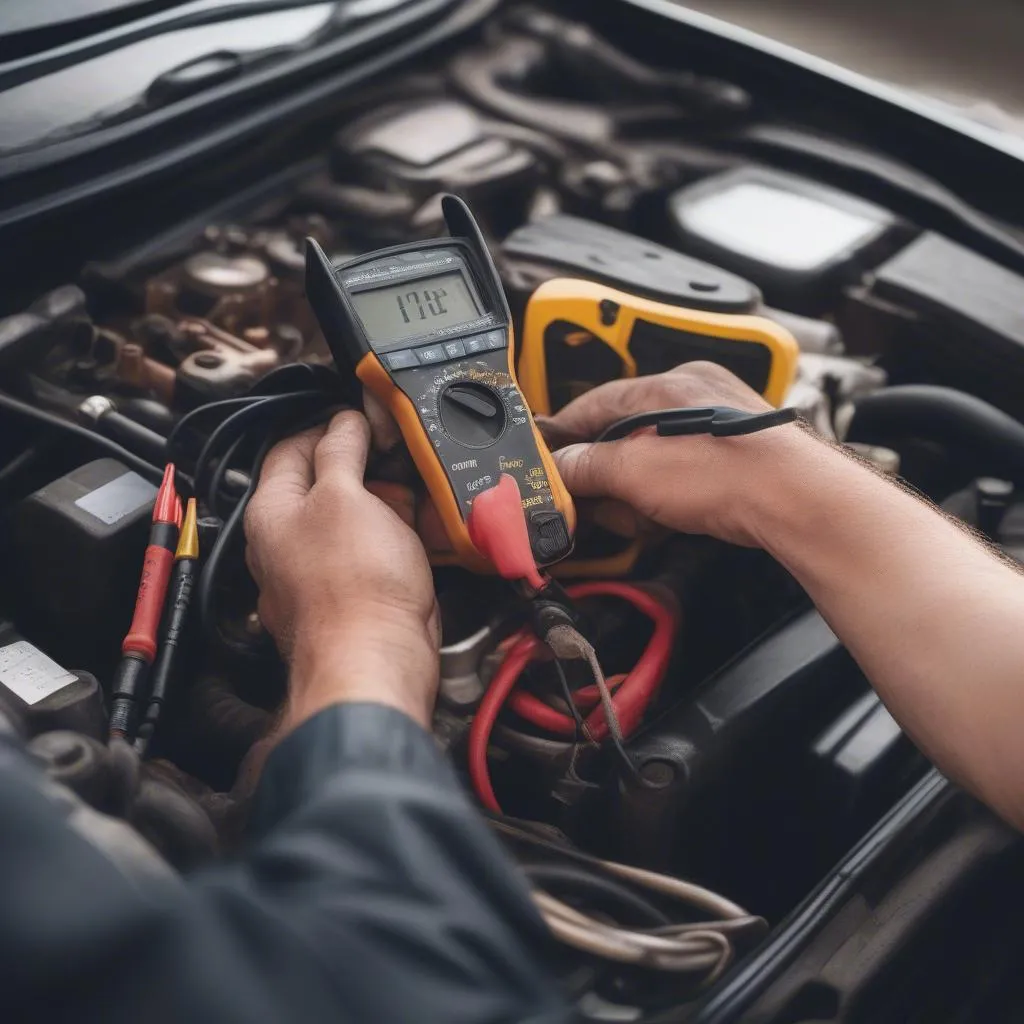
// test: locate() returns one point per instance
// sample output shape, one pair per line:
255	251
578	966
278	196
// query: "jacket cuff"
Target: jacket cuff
364	736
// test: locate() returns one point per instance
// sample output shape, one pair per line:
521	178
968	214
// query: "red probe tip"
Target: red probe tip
497	528
167	505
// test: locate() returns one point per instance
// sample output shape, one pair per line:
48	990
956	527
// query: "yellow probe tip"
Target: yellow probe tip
188	538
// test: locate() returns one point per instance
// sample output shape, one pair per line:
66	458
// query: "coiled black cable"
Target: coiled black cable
24	410
285	402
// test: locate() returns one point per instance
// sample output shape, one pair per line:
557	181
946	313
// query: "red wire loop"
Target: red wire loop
630	699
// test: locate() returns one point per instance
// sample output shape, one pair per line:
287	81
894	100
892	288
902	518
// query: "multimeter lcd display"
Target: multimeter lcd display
415	307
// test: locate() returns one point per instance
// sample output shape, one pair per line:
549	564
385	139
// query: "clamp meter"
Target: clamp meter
634	336
428	330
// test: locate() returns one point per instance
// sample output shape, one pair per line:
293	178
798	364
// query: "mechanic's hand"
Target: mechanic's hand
695	484
345	588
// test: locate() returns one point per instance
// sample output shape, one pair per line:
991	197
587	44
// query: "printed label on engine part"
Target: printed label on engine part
117	498
30	674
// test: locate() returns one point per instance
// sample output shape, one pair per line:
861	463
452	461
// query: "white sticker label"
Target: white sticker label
117	498
30	674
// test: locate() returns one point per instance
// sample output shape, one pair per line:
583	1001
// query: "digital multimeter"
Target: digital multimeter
428	329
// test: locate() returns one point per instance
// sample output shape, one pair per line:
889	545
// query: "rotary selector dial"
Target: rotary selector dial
472	414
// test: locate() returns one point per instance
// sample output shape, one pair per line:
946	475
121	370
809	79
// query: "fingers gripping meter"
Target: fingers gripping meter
428	330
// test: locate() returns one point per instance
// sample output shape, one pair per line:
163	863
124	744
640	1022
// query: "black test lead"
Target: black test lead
186	560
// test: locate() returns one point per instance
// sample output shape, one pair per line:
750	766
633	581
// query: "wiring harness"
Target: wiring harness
601	711
626	916
613	708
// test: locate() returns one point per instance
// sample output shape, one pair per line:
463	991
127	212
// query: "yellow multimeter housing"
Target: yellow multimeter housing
601	333
427	327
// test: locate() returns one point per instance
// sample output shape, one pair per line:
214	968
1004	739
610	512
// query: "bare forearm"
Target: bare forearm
934	618
343	664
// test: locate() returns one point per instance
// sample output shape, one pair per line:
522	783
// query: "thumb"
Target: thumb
342	452
594	470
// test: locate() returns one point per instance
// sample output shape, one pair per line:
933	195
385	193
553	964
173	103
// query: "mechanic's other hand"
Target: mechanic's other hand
694	484
345	587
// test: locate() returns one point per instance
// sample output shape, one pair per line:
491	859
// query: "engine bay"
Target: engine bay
756	753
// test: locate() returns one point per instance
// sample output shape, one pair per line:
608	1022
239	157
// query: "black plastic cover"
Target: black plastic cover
948	316
76	554
732	772
573	247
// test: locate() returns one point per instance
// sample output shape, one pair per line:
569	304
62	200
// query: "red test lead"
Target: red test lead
139	647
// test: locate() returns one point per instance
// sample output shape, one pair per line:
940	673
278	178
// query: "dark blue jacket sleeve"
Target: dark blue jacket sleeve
372	892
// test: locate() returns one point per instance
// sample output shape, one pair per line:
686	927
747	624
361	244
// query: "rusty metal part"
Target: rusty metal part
241	279
232	291
227	237
237	310
285	253
258	336
161	297
282	248
216	274
135	368
285	339
222	363
160	336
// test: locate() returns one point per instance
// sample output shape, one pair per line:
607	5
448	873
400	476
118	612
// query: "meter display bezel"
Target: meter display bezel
404	264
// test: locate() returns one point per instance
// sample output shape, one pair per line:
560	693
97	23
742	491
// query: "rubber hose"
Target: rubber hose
994	439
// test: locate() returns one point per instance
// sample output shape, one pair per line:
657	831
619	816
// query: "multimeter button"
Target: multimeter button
401	360
495	339
609	311
431	354
550	535
454	349
477	344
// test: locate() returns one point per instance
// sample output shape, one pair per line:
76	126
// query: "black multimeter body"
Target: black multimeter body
427	328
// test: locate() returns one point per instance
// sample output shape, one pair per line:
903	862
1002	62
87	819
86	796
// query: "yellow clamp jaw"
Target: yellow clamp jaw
649	336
